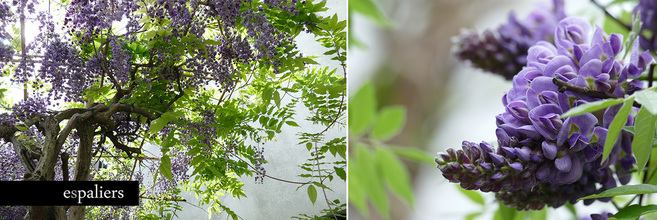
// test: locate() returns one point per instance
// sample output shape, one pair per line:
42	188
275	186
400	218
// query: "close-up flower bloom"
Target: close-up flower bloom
542	158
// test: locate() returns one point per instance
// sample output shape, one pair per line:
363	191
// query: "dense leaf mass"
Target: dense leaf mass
543	159
196	80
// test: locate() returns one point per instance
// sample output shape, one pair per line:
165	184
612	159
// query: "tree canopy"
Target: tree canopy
208	82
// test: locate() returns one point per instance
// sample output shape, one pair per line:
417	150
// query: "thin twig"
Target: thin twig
319	173
650	74
164	199
564	86
626	26
271	177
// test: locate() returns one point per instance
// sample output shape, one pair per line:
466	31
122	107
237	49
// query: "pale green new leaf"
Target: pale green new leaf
371	10
165	167
472	216
362	108
371	180
504	212
648	100
414	154
591	107
162	121
616	126
472	195
396	175
625	190
389	123
643	136
312	193
357	195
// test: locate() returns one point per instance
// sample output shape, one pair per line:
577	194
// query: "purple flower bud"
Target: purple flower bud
563	164
517	167
523	153
498	160
549	150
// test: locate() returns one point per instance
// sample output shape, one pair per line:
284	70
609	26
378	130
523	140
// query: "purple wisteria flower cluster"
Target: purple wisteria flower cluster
543	159
6	52
649	23
503	51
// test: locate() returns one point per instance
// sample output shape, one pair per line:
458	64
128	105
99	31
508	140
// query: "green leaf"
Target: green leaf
341	173
162	121
21	127
362	107
150	34
389	123
612	26
538	214
504	212
472	216
616	126
645	132
371	180
648	100
572	210
625	190
472	195
633	212
312	193
357	194
395	174
165	167
371	10
413	154
292	123
277	99
591	107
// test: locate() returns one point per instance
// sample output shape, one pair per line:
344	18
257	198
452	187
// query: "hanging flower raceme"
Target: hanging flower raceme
543	159
647	9
503	51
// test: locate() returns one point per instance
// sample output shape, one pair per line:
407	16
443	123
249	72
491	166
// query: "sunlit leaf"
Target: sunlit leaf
648	100
165	167
474	196
396	175
625	190
371	181
591	107
414	154
312	193
389	123
362	108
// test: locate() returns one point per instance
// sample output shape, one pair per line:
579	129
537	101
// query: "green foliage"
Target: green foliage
374	166
625	190
591	107
633	212
389	122
362	109
472	195
616	126
312	193
644	135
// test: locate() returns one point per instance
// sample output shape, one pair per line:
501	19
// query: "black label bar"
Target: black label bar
73	193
